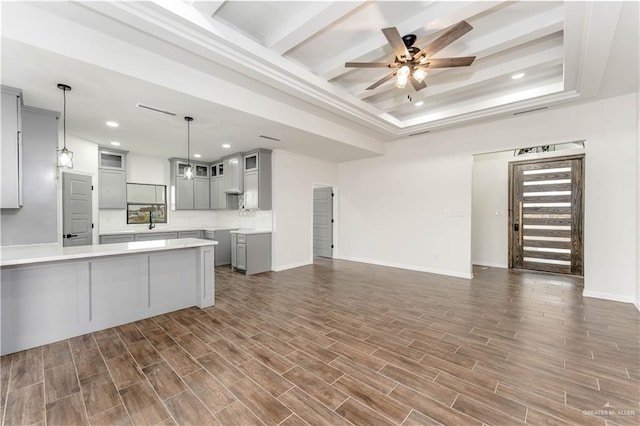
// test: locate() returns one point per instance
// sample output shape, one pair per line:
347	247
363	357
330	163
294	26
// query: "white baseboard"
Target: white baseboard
489	264
291	265
409	267
609	296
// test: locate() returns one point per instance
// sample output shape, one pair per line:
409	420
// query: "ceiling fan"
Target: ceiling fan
411	62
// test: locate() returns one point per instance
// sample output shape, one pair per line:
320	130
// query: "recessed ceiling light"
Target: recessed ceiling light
114	143
111	124
197	155
226	145
517	76
419	103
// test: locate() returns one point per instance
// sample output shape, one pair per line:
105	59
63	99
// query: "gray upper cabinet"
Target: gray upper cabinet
218	198
233	174
257	179
112	179
11	191
189	194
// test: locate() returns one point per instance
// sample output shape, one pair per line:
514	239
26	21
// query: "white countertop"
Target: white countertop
157	229
38	253
251	231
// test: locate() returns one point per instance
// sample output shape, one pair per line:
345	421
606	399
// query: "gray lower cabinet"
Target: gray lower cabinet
151	236
189	234
116	238
251	253
223	249
112	189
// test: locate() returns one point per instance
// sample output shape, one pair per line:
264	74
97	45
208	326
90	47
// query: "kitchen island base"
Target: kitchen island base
48	302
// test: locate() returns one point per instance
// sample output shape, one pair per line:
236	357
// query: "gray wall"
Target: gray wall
36	221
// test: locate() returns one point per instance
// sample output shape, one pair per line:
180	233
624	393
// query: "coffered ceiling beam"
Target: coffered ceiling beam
316	17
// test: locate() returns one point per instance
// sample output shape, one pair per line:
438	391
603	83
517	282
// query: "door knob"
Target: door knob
70	235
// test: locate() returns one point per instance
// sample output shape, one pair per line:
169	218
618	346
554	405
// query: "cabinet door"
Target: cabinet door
110	239
11	194
184	194
241	256
232	176
214	185
234	247
113	189
222	196
251	162
201	190
251	195
153	236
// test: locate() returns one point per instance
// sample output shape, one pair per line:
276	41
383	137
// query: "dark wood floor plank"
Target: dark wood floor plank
186	409
377	401
143	405
315	366
124	370
60	381
369	377
316	387
99	393
164	380
144	353
181	362
67	411
316	351
432	408
230	351
260	402
310	409
25	371
238	414
116	416
360	415
273	343
433	390
221	369
211	392
25	405
88	362
111	346
56	354
271	359
484	413
272	382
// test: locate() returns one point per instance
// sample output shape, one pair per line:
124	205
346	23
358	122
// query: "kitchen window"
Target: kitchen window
146	203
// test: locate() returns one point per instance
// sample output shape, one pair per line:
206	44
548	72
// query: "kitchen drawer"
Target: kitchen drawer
157	236
122	238
190	234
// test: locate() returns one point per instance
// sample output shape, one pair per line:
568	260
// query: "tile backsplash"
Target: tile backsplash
111	220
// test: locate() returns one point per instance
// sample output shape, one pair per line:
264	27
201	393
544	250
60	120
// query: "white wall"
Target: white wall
411	207
294	177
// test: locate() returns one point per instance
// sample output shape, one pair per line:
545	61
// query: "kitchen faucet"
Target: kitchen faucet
151	224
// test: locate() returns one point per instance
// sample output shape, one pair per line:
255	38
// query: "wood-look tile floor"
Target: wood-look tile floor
341	343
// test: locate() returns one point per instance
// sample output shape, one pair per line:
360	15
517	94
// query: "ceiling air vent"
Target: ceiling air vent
530	110
270	138
160	110
420	133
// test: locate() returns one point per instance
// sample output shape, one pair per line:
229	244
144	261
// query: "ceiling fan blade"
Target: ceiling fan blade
382	80
418	85
449	62
394	39
369	65
451	35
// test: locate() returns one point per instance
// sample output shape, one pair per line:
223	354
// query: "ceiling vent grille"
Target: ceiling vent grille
420	133
160	110
270	138
530	110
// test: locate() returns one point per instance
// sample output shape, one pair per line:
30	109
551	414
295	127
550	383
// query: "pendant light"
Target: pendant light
64	156
188	171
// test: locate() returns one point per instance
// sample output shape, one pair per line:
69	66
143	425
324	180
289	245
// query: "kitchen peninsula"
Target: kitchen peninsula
51	293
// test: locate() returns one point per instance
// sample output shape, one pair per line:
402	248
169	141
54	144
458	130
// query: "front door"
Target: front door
76	209
546	215
323	222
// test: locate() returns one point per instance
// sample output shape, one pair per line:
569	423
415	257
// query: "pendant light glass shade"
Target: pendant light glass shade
64	157
188	171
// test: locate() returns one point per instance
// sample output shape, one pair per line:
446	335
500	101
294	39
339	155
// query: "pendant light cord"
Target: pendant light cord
64	118
189	142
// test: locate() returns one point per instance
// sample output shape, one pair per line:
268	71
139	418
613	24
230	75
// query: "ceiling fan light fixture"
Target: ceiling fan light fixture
517	76
419	75
402	76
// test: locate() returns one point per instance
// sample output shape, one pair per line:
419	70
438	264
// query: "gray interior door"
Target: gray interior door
76	209
323	222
